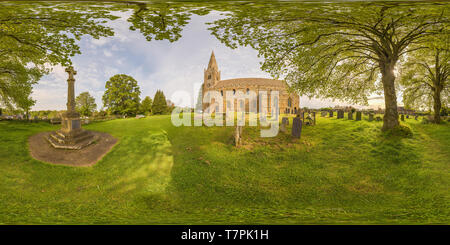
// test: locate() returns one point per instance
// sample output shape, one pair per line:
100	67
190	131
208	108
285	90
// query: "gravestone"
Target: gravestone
331	113
402	117
303	116
71	136
350	115
284	123
323	113
340	114
238	136
370	117
296	127
314	117
358	116
378	119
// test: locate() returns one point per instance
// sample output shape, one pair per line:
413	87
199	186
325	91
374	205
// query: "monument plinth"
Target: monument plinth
71	135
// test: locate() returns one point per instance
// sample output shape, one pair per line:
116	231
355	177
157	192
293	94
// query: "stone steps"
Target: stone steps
61	141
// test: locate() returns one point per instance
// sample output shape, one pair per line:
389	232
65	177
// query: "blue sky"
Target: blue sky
170	67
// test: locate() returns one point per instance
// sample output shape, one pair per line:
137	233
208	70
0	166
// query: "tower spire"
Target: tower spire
213	62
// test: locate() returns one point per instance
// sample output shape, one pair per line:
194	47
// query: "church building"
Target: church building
288	102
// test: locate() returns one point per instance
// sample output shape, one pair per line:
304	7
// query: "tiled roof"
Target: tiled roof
251	82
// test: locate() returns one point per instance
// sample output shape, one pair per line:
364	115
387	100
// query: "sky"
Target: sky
156	65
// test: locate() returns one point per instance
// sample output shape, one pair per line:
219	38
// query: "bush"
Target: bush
400	130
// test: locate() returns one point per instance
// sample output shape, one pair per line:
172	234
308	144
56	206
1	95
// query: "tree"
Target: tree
122	95
347	51
425	76
159	103
163	21
35	36
85	104
146	106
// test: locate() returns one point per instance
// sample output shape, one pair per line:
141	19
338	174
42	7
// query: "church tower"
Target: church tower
212	74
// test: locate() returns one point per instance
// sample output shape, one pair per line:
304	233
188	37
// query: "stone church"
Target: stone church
288	102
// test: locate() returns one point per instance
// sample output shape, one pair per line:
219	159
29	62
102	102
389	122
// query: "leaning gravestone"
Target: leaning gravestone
340	114
402	117
285	120
370	117
331	113
350	115
296	127
358	116
323	113
238	135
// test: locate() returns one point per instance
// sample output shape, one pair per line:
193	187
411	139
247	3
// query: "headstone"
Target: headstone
284	123
323	113
378	119
314	117
331	113
402	117
358	116
296	127
350	115
238	136
370	117
303	116
340	114
71	136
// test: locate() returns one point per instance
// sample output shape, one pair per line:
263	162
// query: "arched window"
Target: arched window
234	91
209	76
248	90
289	102
221	92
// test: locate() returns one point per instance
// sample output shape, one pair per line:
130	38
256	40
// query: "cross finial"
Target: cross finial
71	72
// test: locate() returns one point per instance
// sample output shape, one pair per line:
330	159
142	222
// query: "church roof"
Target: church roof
213	62
251	82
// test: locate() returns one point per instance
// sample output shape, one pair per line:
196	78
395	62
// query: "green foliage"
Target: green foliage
425	76
159	105
122	95
146	106
34	36
85	104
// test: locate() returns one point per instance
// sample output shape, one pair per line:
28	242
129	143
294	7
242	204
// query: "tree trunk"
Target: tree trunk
390	119
437	105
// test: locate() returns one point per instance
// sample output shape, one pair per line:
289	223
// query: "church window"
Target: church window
221	92
289	102
209	76
234	91
248	90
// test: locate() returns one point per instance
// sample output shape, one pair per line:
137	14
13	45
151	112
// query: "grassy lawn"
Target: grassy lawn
340	172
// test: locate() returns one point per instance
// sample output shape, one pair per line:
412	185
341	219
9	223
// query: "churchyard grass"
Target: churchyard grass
339	172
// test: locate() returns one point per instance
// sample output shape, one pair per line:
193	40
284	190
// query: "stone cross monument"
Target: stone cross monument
71	135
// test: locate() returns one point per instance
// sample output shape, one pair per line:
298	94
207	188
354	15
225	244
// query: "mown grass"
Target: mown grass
339	172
